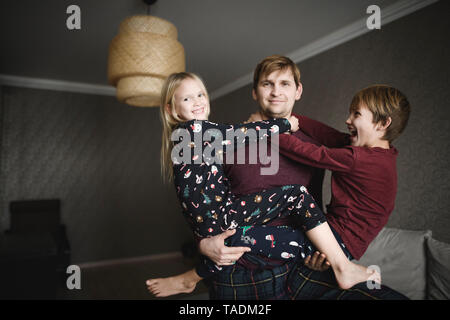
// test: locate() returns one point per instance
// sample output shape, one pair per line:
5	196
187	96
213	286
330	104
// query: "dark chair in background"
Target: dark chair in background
34	252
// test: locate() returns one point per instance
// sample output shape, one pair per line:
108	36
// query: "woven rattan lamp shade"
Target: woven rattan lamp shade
141	56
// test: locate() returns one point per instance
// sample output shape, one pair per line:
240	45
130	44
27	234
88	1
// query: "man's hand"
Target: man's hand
215	249
318	262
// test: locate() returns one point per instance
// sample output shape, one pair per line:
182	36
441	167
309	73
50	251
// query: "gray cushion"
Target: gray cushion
438	270
401	257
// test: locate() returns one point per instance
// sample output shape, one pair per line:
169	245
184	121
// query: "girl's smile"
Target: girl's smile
191	101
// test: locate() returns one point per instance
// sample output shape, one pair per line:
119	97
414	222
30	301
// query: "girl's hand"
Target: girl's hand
215	249
294	123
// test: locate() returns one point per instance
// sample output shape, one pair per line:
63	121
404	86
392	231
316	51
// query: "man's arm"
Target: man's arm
322	133
317	262
215	249
334	159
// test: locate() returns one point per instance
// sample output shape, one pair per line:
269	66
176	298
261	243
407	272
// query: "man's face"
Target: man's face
276	93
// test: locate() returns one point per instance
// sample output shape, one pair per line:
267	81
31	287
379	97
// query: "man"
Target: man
276	87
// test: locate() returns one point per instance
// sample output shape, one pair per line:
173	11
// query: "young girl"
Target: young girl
206	199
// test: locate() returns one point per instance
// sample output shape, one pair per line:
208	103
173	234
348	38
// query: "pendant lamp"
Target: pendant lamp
143	54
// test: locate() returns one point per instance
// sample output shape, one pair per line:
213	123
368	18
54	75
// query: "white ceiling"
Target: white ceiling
223	40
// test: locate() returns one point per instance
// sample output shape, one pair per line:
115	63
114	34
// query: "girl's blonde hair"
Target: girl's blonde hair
170	119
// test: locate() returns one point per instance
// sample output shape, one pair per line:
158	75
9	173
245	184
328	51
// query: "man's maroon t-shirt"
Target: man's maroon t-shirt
246	178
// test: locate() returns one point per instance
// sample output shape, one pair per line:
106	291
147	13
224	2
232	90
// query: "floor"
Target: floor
127	280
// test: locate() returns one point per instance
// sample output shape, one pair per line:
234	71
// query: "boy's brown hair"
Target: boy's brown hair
384	101
275	63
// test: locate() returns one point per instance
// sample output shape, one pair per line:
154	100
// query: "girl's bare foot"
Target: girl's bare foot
353	274
164	287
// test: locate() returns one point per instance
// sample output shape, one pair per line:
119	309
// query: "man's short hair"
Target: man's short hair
275	63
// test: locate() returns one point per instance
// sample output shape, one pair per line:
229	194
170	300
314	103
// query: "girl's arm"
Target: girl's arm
273	125
237	132
334	159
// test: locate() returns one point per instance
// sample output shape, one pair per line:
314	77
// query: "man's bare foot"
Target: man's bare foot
182	283
353	274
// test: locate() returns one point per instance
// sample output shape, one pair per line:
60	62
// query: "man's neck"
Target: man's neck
266	117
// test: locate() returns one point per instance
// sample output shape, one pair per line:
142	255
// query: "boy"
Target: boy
364	174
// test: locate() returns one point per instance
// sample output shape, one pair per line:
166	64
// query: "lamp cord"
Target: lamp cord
149	3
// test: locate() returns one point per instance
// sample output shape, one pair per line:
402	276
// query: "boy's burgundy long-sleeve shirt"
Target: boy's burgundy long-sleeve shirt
363	183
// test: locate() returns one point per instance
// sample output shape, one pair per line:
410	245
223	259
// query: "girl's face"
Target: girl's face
191	101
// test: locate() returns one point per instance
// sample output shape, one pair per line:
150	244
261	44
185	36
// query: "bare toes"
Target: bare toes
153	289
149	282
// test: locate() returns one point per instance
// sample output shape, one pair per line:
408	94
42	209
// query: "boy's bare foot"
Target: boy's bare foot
164	287
354	274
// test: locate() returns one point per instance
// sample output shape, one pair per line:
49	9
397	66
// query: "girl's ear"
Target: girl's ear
168	109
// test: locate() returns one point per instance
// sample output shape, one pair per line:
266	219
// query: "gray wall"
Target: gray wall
101	158
411	54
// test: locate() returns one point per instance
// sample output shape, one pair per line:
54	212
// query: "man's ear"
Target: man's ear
299	92
254	94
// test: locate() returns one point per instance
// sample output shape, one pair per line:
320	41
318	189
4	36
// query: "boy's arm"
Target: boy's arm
334	159
322	133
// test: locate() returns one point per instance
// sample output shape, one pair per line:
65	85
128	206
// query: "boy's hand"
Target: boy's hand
318	262
294	123
215	249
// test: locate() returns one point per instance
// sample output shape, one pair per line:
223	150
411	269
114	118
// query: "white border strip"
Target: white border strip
114	262
340	36
57	85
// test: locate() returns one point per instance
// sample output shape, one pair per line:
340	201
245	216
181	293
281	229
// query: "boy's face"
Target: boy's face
363	132
276	93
